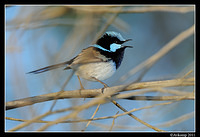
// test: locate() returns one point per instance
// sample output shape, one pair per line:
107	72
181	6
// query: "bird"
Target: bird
97	62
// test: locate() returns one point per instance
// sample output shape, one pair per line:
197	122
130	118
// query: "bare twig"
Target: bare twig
113	122
177	120
160	98
102	99
135	9
48	113
86	120
107	24
89	93
136	118
62	90
92	117
154	58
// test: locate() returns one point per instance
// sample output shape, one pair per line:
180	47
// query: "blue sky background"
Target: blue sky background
37	36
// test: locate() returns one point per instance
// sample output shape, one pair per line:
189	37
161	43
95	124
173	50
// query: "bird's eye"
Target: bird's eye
116	42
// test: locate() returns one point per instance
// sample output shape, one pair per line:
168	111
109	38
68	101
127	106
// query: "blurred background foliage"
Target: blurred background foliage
37	36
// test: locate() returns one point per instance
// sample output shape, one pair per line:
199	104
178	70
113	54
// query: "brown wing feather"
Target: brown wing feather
88	55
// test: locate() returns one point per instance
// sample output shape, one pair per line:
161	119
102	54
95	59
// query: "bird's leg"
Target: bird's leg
80	83
104	84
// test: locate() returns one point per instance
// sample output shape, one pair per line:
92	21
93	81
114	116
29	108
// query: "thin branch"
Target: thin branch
36	120
107	24
136	118
154	58
177	120
160	98
137	128
91	117
91	93
133	9
113	122
30	121
101	99
62	90
86	120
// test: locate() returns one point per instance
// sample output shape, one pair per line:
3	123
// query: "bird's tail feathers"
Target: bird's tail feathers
50	67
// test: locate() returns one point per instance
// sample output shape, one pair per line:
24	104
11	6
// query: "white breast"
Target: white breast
99	70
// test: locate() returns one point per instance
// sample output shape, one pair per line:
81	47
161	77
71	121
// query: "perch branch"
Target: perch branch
91	93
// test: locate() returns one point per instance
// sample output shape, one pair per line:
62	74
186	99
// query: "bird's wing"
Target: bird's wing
88	55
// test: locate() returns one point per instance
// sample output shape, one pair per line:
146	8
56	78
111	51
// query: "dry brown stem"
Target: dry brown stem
90	93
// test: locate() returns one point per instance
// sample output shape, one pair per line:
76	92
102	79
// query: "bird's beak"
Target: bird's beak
128	46
127	40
